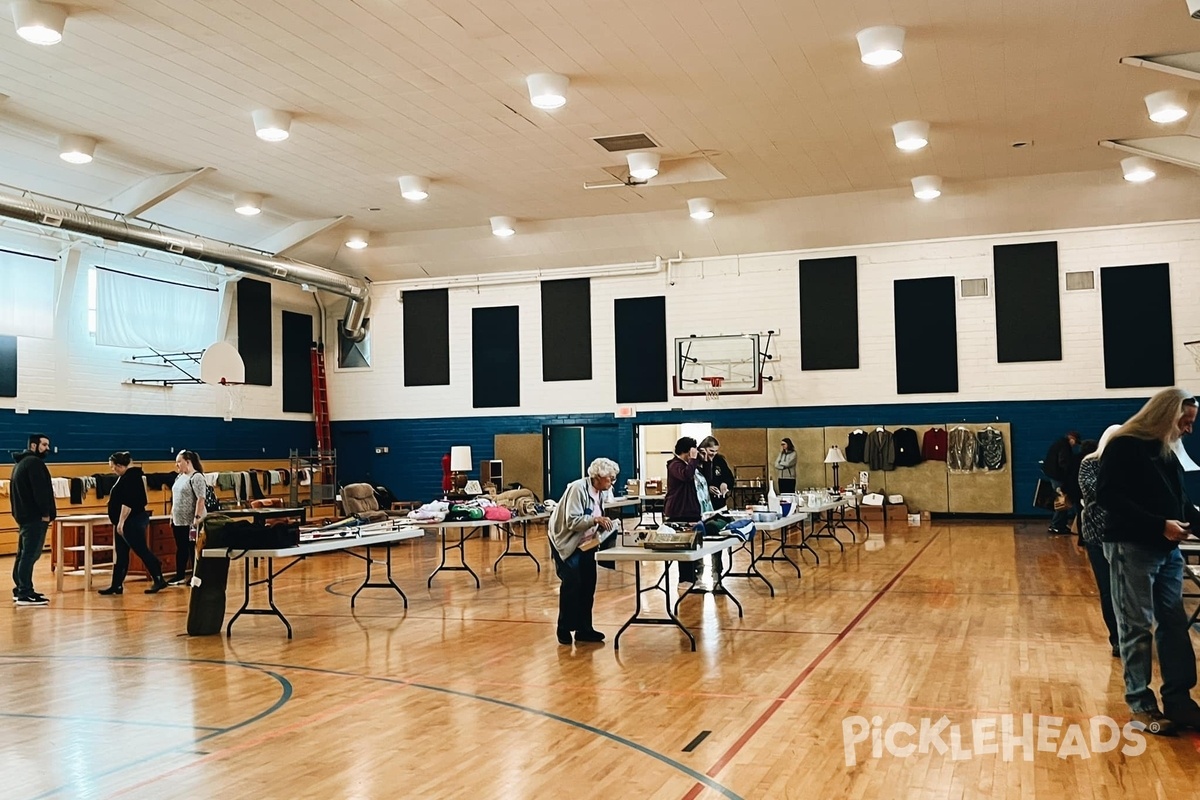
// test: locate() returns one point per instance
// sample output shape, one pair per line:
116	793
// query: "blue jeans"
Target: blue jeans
1147	591
31	538
1061	521
1095	553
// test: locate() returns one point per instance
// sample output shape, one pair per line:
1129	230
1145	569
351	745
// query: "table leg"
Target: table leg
717	589
509	533
638	619
462	554
87	555
390	583
59	530
780	552
272	609
752	570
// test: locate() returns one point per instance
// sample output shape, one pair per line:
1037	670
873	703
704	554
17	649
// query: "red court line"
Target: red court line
778	702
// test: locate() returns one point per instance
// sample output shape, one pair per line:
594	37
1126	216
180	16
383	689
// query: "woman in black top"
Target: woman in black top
716	471
128	514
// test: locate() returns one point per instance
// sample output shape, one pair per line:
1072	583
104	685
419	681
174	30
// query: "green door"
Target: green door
564	458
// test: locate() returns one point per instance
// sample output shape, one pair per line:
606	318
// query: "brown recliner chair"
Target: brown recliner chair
358	499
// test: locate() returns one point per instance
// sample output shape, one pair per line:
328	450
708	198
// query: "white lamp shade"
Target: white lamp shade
248	204
911	134
701	208
643	166
460	458
834	456
504	226
39	23
271	125
414	187
881	45
1167	106
1137	169
76	149
357	238
927	187
548	90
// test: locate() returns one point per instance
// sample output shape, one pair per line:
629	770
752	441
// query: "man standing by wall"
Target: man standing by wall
1140	486
1058	466
31	496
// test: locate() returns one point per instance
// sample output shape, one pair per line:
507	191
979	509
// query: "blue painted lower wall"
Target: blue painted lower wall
88	436
412	467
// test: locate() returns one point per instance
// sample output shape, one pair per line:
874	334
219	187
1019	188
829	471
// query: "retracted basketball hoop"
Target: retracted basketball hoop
713	390
1194	349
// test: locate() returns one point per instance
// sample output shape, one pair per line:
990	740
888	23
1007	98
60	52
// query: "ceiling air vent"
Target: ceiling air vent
1081	281
625	141
973	287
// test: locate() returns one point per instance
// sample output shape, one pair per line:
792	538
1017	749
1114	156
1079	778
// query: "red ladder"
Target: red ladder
321	403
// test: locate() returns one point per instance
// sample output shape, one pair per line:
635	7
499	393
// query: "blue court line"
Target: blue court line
102	721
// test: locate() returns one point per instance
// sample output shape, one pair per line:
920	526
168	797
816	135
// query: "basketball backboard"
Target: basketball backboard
735	359
222	364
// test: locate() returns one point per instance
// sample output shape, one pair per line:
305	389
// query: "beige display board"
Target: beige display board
743	446
524	459
983	491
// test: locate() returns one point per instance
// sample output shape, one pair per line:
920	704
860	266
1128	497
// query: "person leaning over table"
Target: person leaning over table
785	466
575	528
127	512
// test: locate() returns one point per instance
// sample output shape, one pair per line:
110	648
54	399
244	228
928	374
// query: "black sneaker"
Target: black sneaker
564	637
1186	717
160	583
1155	722
31	600
589	636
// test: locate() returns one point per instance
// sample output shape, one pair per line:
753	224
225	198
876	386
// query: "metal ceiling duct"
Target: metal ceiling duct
199	249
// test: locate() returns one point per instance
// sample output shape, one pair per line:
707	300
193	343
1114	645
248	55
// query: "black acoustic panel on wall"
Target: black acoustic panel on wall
8	366
1136	313
427	338
1028	318
254	329
495	357
926	336
567	330
829	313
641	349
297	362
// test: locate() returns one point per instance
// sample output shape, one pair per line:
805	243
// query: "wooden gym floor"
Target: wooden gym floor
469	695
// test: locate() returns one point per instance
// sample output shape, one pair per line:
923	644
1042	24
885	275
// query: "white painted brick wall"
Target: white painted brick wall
755	293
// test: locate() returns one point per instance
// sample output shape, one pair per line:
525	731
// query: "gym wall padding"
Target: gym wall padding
524	457
1136	314
829	313
743	446
297	362
254	330
567	330
427	337
1028	315
8	366
495	357
926	336
640	348
982	492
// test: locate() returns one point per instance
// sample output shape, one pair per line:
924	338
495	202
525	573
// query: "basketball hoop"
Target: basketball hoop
1194	349
713	390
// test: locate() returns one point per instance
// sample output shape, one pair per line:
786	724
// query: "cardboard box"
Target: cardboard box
893	513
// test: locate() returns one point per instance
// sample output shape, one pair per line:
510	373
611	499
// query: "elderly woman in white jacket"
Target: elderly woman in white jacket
576	528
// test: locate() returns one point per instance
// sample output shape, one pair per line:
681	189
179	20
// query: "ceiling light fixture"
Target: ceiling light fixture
700	208
357	238
1167	106
1137	169
248	204
39	23
271	125
504	226
911	135
881	45
76	149
414	187
548	90
927	187
643	166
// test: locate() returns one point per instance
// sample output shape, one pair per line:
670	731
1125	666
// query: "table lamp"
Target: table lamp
460	465
835	457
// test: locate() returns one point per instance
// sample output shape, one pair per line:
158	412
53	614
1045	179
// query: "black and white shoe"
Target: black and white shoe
32	600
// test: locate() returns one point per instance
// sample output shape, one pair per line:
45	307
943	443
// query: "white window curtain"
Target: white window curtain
26	295
167	315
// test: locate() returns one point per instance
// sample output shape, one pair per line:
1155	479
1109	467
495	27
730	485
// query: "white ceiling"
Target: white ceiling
771	91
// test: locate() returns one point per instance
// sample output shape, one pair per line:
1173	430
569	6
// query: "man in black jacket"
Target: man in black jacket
31	496
1058	466
1140	486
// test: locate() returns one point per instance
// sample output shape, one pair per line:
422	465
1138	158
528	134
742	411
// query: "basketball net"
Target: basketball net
713	390
1194	349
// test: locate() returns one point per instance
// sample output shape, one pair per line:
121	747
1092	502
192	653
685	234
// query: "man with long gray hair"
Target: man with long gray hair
1140	486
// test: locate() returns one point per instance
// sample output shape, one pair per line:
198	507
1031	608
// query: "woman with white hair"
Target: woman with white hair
1140	487
576	528
1091	530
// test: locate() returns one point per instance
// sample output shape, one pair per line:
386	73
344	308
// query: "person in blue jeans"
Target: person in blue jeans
1140	487
31	497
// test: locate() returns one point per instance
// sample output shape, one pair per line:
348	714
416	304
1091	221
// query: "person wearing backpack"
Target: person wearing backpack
188	506
1059	467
